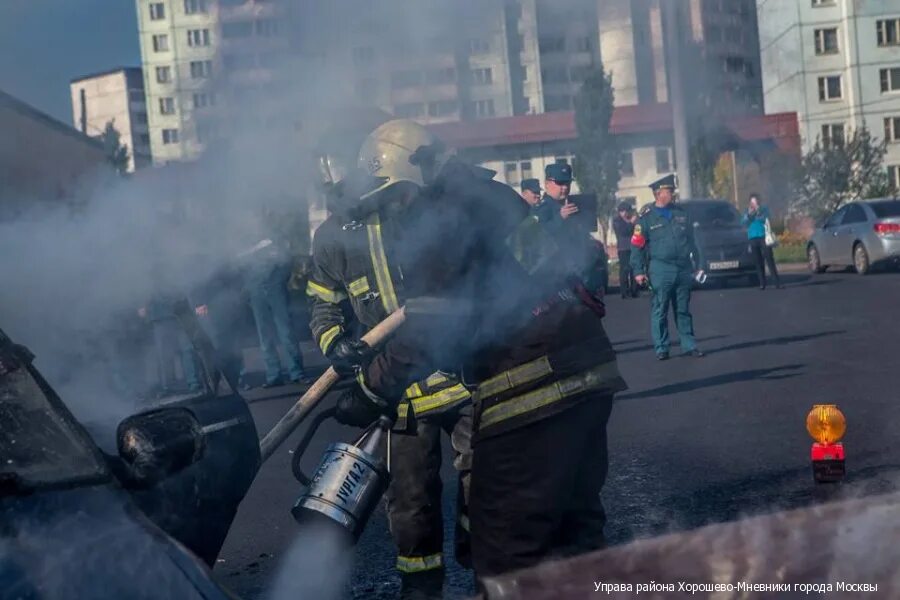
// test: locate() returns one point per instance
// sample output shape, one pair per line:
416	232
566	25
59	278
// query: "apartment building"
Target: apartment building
837	63
116	97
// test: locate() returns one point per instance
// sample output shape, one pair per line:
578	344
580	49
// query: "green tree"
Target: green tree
116	152
597	155
835	173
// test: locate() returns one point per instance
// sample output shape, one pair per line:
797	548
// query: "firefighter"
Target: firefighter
532	347
354	278
663	255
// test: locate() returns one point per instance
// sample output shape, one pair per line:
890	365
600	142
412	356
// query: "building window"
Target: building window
557	102
201	69
887	32
163	74
140	117
511	173
550	44
170	136
193	7
442	108
157	11
405	79
483	108
167	106
525	167
482	76
410	110
583	44
833	135
441	76
204	99
892	129
894	177
479	46
198	37
816	3
580	73
663	160
363	56
890	80
627	165
161	42
826	41
555	75
830	88
266	27
237	29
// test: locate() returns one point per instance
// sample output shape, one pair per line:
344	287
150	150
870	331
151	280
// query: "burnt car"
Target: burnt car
76	522
721	240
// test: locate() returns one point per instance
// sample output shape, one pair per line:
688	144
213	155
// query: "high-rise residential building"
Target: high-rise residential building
837	63
207	66
116	97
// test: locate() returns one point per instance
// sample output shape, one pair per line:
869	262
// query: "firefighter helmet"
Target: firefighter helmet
402	151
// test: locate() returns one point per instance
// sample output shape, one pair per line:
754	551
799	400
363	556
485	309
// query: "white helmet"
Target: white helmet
402	151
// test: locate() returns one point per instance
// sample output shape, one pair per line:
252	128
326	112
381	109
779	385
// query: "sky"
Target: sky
44	44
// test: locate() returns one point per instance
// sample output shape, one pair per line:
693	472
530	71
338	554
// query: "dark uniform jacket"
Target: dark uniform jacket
528	344
624	230
353	264
666	243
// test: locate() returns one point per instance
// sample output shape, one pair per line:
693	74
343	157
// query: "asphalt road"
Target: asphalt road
692	441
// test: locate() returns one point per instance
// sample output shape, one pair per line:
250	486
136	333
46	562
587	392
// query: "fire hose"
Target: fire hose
310	399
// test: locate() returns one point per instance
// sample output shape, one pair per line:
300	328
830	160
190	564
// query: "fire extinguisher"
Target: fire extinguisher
349	481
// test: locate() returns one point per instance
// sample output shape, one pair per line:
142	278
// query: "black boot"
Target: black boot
427	585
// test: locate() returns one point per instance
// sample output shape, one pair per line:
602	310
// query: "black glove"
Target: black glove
348	354
359	407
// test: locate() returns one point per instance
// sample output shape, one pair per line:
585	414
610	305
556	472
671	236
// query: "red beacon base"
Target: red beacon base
828	462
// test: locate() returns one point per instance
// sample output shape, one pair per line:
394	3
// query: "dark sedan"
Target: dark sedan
78	523
721	240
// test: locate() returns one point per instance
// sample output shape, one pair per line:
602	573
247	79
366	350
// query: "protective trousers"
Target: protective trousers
536	489
671	286
414	496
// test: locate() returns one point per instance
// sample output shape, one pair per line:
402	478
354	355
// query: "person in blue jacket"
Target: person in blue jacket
755	221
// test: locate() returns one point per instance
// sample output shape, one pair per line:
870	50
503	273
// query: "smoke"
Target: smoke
317	565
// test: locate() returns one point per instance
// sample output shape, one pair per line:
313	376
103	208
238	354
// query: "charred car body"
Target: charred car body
75	522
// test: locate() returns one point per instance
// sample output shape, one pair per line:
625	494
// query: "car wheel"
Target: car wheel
861	260
813	260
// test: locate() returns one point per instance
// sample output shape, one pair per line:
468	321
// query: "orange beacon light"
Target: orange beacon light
826	425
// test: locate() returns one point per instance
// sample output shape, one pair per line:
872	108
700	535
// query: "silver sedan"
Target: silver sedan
859	235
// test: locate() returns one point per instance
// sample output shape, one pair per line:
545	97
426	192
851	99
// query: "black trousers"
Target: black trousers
535	490
763	256
627	285
414	495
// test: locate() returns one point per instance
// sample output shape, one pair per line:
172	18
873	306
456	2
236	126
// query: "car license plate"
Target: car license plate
728	264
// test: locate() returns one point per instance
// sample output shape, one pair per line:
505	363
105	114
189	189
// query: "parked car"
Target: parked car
721	241
146	523
861	235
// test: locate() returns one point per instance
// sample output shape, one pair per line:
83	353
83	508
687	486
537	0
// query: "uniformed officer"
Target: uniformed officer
531	191
664	253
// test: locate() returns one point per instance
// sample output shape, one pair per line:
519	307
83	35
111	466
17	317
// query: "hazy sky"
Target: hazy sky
44	44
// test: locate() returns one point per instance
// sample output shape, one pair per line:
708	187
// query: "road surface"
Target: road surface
692	441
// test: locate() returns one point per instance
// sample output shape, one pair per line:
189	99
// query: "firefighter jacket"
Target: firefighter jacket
529	345
353	265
